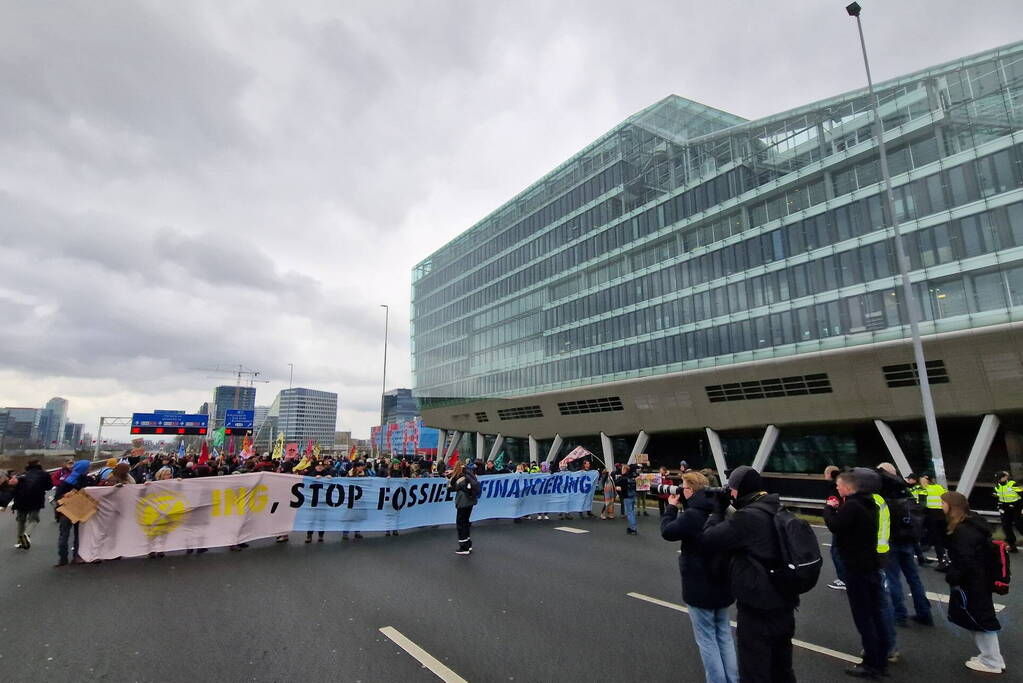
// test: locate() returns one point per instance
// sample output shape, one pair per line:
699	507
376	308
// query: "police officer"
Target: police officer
1009	506
934	519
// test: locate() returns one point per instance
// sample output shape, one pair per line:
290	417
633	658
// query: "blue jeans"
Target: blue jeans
714	638
887	614
837	560
629	505
901	559
66	525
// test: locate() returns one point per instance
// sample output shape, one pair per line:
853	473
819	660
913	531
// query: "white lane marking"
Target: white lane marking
422	656
941	597
571	530
798	643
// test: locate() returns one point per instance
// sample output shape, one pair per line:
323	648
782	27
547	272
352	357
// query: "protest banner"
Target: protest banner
645	481
206	512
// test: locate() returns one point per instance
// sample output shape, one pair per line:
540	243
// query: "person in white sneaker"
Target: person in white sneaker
970	606
29	498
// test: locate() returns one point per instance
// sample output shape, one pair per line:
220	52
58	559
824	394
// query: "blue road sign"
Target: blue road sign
239	419
169	423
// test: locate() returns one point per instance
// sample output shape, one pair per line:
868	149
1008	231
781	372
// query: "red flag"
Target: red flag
453	459
353	453
204	454
230	445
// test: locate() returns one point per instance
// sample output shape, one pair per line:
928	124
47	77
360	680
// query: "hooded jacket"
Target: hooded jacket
970	604
751	537
704	579
78	479
854	524
30	491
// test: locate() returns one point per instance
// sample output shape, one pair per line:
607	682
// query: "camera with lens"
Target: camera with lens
667	490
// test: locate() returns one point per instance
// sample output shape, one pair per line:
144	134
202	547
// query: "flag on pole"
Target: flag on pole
316	450
577	452
353	453
303	464
308	448
499	461
181	449
204	454
218	437
230	445
278	452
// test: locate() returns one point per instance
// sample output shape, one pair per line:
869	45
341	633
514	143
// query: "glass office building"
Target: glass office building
688	239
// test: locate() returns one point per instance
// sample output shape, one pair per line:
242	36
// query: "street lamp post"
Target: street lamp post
912	308
383	382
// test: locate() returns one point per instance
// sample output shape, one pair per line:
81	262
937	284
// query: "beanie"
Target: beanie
745	480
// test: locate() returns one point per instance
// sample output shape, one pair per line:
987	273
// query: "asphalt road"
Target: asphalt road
531	604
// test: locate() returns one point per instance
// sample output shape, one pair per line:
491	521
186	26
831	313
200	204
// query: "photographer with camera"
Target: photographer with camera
766	615
705	587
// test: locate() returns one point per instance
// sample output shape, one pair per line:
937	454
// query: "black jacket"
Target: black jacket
704	576
970	604
750	536
30	491
854	524
627	482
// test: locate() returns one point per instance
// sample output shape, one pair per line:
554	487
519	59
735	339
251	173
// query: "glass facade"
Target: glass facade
687	237
304	414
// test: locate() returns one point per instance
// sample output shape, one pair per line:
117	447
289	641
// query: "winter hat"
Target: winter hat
745	480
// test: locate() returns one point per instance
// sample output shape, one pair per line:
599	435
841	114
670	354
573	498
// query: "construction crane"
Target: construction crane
239	372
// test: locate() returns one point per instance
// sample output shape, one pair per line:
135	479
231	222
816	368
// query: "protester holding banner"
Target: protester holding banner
467	492
77	480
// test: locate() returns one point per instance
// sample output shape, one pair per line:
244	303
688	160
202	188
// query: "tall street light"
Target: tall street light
912	308
383	383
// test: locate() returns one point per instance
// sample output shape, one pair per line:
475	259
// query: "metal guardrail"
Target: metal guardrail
817	504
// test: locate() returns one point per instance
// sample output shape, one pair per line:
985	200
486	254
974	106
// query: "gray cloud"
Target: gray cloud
191	183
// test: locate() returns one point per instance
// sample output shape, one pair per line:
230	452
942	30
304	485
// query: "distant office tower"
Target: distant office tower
691	272
399	405
232	397
73	435
304	414
260	413
54	434
22	427
204	409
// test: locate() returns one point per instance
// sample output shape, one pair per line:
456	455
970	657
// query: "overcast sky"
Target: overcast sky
187	184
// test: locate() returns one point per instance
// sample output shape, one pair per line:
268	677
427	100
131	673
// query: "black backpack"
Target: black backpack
907	517
800	555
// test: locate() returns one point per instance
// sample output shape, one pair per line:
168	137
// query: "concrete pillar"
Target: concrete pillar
609	452
718	452
888	436
766	446
442	443
496	448
553	452
481	444
455	437
534	450
978	454
639	447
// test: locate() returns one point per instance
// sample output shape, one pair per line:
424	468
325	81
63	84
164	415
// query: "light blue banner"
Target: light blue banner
381	504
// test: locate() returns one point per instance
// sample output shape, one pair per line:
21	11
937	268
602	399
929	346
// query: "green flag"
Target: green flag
218	438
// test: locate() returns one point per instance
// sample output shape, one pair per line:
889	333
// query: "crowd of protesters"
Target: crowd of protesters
881	525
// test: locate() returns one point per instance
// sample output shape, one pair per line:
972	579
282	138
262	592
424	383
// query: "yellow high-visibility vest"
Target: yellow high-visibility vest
1007	492
884	524
934	492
